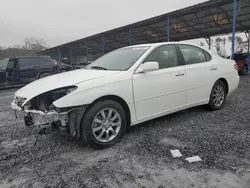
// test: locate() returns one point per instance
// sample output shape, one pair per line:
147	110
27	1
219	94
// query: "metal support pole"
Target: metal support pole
70	54
248	42
209	43
87	51
168	28
234	26
130	36
103	45
58	53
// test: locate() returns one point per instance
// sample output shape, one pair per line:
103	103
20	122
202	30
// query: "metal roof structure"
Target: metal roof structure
203	20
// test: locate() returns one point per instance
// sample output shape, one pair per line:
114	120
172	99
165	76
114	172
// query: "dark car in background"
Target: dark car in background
23	70
64	67
241	60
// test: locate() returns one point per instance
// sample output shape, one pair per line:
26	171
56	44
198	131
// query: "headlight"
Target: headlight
44	101
19	100
71	90
59	93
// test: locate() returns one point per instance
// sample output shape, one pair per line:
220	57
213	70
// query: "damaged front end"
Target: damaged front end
41	113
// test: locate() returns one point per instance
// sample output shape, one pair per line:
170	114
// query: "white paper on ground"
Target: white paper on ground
193	159
176	153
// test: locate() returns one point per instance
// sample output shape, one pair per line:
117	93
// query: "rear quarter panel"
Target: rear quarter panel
227	71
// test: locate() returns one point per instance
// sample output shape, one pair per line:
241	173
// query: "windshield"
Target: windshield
121	59
4	64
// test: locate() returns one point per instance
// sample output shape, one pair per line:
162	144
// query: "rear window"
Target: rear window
240	57
35	61
208	56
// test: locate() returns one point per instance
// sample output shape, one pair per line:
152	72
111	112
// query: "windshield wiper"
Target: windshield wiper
98	68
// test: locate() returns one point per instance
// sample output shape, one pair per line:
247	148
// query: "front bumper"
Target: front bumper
35	117
65	122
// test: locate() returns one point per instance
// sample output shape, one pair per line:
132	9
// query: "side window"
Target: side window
11	64
166	56
43	61
26	61
192	54
208	56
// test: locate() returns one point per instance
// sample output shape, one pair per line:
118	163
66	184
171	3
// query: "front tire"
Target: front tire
103	124
218	96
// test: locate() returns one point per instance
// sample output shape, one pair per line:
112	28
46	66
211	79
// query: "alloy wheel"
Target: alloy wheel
106	125
218	95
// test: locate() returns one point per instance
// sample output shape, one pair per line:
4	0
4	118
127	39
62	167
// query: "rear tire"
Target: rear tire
43	75
103	124
218	96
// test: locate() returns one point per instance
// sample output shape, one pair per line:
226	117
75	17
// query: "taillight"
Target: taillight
236	67
54	62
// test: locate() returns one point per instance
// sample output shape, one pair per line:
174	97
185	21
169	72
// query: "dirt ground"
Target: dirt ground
142	158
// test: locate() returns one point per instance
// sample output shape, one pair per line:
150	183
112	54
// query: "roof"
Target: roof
20	57
203	20
161	43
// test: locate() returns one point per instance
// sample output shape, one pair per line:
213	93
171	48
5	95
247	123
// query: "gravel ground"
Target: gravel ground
142	158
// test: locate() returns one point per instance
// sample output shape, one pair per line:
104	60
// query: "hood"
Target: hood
60	80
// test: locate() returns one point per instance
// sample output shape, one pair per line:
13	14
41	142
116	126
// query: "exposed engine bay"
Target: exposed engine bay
44	102
41	112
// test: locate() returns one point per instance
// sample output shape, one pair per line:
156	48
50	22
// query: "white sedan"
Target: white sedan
126	87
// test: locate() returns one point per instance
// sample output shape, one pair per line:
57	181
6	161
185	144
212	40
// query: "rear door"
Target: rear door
201	74
46	64
27	69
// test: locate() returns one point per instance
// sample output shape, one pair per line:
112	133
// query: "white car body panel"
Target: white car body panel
119	85
60	80
159	91
199	81
148	95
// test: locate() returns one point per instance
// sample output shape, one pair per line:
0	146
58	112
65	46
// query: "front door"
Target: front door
3	81
158	92
3	73
12	72
27	69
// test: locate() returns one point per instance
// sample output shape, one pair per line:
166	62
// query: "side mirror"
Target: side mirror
148	66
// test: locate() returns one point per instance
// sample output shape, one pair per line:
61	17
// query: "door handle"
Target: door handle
214	68
180	74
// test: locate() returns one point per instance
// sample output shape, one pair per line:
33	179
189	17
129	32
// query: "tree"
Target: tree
30	46
33	45
218	44
240	45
